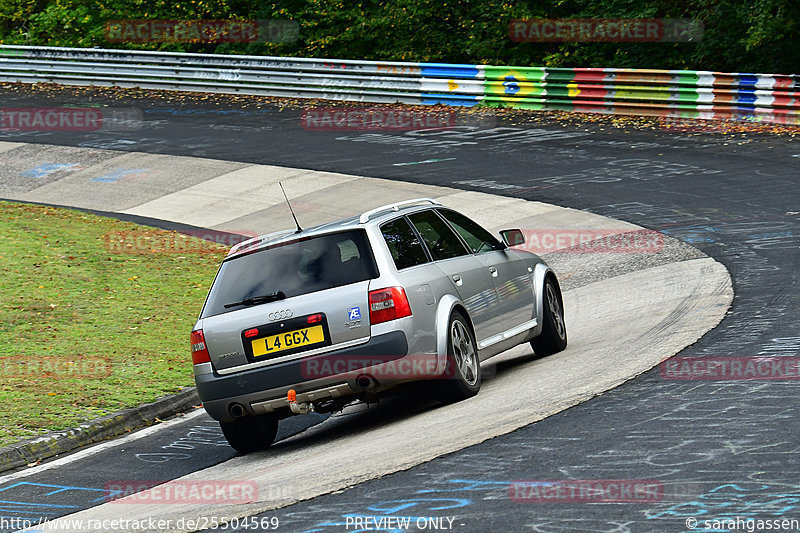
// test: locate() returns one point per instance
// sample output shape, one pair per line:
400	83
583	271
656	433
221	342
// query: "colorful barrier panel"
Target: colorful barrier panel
664	93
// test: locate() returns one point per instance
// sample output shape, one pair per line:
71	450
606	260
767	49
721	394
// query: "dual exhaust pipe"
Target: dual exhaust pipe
363	382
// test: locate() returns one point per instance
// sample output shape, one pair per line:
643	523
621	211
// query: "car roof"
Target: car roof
368	218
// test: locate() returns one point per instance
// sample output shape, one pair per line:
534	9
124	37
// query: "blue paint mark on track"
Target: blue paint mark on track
46	169
114	176
36	502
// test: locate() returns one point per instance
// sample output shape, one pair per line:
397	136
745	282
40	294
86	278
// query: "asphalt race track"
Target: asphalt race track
719	449
681	294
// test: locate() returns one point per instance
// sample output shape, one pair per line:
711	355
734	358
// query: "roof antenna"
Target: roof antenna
299	229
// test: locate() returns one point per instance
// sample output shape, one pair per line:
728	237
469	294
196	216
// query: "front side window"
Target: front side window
403	244
476	237
438	237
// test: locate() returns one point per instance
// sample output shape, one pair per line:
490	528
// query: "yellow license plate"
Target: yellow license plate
288	341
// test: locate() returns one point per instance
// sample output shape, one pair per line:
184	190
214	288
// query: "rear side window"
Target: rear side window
476	237
295	268
438	237
403	244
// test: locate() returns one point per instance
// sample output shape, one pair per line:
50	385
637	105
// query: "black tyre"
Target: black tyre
251	433
553	338
462	376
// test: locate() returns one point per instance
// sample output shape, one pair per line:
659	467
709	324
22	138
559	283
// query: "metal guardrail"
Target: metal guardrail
673	93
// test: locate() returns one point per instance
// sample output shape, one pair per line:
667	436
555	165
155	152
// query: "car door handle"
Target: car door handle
457	279
493	271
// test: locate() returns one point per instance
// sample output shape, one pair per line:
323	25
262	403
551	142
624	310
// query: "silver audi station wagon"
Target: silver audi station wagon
313	319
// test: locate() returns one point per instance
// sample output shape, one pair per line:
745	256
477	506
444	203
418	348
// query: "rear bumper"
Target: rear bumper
333	372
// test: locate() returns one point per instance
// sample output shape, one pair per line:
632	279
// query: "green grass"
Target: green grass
88	325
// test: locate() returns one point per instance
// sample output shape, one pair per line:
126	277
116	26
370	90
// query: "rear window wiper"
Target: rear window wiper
256	300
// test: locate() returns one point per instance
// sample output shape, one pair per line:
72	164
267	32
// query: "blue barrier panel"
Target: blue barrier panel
445	70
747	80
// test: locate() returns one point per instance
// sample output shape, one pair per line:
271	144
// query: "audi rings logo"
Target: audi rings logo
280	315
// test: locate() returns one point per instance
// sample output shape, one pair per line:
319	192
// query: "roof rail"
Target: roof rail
364	218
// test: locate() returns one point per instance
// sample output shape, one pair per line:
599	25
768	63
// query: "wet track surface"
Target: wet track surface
718	449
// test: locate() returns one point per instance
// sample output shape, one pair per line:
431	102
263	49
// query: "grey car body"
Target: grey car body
313	319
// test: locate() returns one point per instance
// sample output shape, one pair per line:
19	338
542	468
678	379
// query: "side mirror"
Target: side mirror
512	237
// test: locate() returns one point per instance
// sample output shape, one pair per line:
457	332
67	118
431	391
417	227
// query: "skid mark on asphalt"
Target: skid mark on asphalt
423	162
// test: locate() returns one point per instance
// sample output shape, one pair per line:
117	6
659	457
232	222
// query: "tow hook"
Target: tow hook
298	408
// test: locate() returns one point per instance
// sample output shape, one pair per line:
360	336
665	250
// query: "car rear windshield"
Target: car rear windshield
298	267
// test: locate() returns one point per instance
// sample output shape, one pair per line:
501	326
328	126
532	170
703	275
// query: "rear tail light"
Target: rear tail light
199	350
388	304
